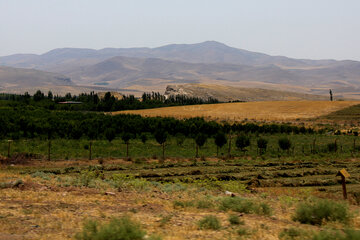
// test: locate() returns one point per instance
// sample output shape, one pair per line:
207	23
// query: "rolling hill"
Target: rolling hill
227	93
19	77
152	69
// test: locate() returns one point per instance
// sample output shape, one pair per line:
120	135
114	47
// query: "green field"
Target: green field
65	149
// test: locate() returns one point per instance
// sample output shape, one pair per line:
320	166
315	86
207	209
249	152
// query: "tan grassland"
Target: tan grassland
259	111
41	209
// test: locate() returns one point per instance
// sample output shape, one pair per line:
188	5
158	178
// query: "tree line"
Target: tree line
92	101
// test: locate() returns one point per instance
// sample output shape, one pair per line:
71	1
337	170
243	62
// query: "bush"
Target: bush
202	204
183	204
317	211
262	145
242	231
293	234
337	235
116	229
243	205
235	220
210	222
332	147
284	143
180	139
242	141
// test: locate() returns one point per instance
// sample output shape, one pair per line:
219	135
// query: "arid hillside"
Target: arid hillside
231	93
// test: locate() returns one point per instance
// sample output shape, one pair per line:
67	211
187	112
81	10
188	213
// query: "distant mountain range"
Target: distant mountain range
152	69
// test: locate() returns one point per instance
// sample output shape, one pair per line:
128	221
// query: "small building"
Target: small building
70	102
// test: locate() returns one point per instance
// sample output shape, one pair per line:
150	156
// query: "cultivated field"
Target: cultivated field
260	111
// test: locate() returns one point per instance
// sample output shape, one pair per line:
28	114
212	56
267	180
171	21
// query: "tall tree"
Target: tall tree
200	140
331	95
242	142
220	141
110	134
262	145
126	138
161	136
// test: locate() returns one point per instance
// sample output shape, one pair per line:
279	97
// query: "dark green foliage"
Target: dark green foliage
38	96
110	134
284	143
143	138
126	137
262	145
220	139
180	138
116	229
200	139
210	222
160	136
242	141
332	147
316	211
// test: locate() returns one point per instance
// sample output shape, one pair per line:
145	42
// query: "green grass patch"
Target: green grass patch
209	222
244	205
116	229
318	211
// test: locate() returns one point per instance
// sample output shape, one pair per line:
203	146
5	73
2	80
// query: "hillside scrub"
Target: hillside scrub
318	211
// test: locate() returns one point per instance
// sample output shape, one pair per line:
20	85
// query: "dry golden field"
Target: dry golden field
260	111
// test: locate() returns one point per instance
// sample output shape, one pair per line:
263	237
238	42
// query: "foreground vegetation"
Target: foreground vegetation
176	200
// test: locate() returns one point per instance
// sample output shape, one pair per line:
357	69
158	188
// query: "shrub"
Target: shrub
220	141
235	220
262	145
110	134
337	235
183	204
242	231
243	205
242	141
116	229
284	143
210	222
204	204
319	210
143	138
293	234
332	147
180	139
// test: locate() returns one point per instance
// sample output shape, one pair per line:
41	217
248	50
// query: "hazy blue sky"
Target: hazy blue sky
295	28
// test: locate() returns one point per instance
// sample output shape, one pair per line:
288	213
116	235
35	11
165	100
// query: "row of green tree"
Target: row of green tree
31	122
92	102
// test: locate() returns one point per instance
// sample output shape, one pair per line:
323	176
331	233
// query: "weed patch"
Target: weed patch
209	222
317	211
117	229
244	205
